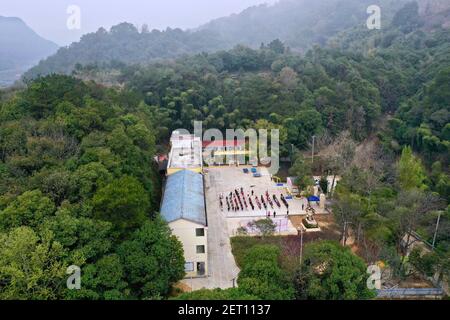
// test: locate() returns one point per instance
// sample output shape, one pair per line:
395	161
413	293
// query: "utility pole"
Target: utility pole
301	247
343	233
313	146
437	228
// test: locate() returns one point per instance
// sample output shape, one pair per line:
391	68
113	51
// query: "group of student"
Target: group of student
238	200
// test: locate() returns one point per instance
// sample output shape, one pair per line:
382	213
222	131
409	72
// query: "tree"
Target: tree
261	275
82	235
339	155
440	180
266	227
324	184
89	178
411	174
276	46
288	78
153	260
55	183
411	208
424	263
348	209
123	202
70	152
103	280
303	173
302	126
331	272
29	209
32	266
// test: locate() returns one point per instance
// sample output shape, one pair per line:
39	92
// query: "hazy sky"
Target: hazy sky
49	17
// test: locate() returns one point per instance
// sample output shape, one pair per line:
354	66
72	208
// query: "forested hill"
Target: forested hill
20	48
298	23
76	186
396	90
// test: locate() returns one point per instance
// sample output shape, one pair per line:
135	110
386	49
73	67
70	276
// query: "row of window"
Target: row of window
200	232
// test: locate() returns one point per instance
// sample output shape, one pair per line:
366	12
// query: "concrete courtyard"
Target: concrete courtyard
223	224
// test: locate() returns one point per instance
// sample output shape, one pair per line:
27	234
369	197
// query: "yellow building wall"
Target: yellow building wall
171	171
185	231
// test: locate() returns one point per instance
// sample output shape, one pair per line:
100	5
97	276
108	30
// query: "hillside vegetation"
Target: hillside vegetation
77	185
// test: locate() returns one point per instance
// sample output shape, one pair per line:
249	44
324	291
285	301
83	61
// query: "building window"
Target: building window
200	249
189	267
200	232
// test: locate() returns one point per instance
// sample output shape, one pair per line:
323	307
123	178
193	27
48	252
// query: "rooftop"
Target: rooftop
186	151
184	198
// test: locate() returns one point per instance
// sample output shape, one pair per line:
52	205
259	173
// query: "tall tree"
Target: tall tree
32	266
331	272
411	174
153	260
123	202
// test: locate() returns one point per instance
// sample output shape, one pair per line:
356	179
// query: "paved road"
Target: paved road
222	266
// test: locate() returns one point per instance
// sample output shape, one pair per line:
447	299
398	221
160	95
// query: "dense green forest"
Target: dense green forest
399	87
77	188
76	175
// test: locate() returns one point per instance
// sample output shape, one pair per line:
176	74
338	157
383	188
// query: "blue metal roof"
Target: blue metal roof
184	198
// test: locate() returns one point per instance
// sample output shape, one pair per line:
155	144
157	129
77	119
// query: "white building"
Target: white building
183	207
185	153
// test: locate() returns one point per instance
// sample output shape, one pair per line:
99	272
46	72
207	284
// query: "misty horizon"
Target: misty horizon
49	19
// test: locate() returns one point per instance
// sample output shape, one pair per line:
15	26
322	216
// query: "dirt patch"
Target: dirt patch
181	287
329	228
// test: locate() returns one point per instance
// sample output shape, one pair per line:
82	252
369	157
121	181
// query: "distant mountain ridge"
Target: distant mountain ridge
435	13
300	24
20	48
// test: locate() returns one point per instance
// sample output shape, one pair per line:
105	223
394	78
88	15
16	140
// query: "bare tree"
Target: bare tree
412	207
